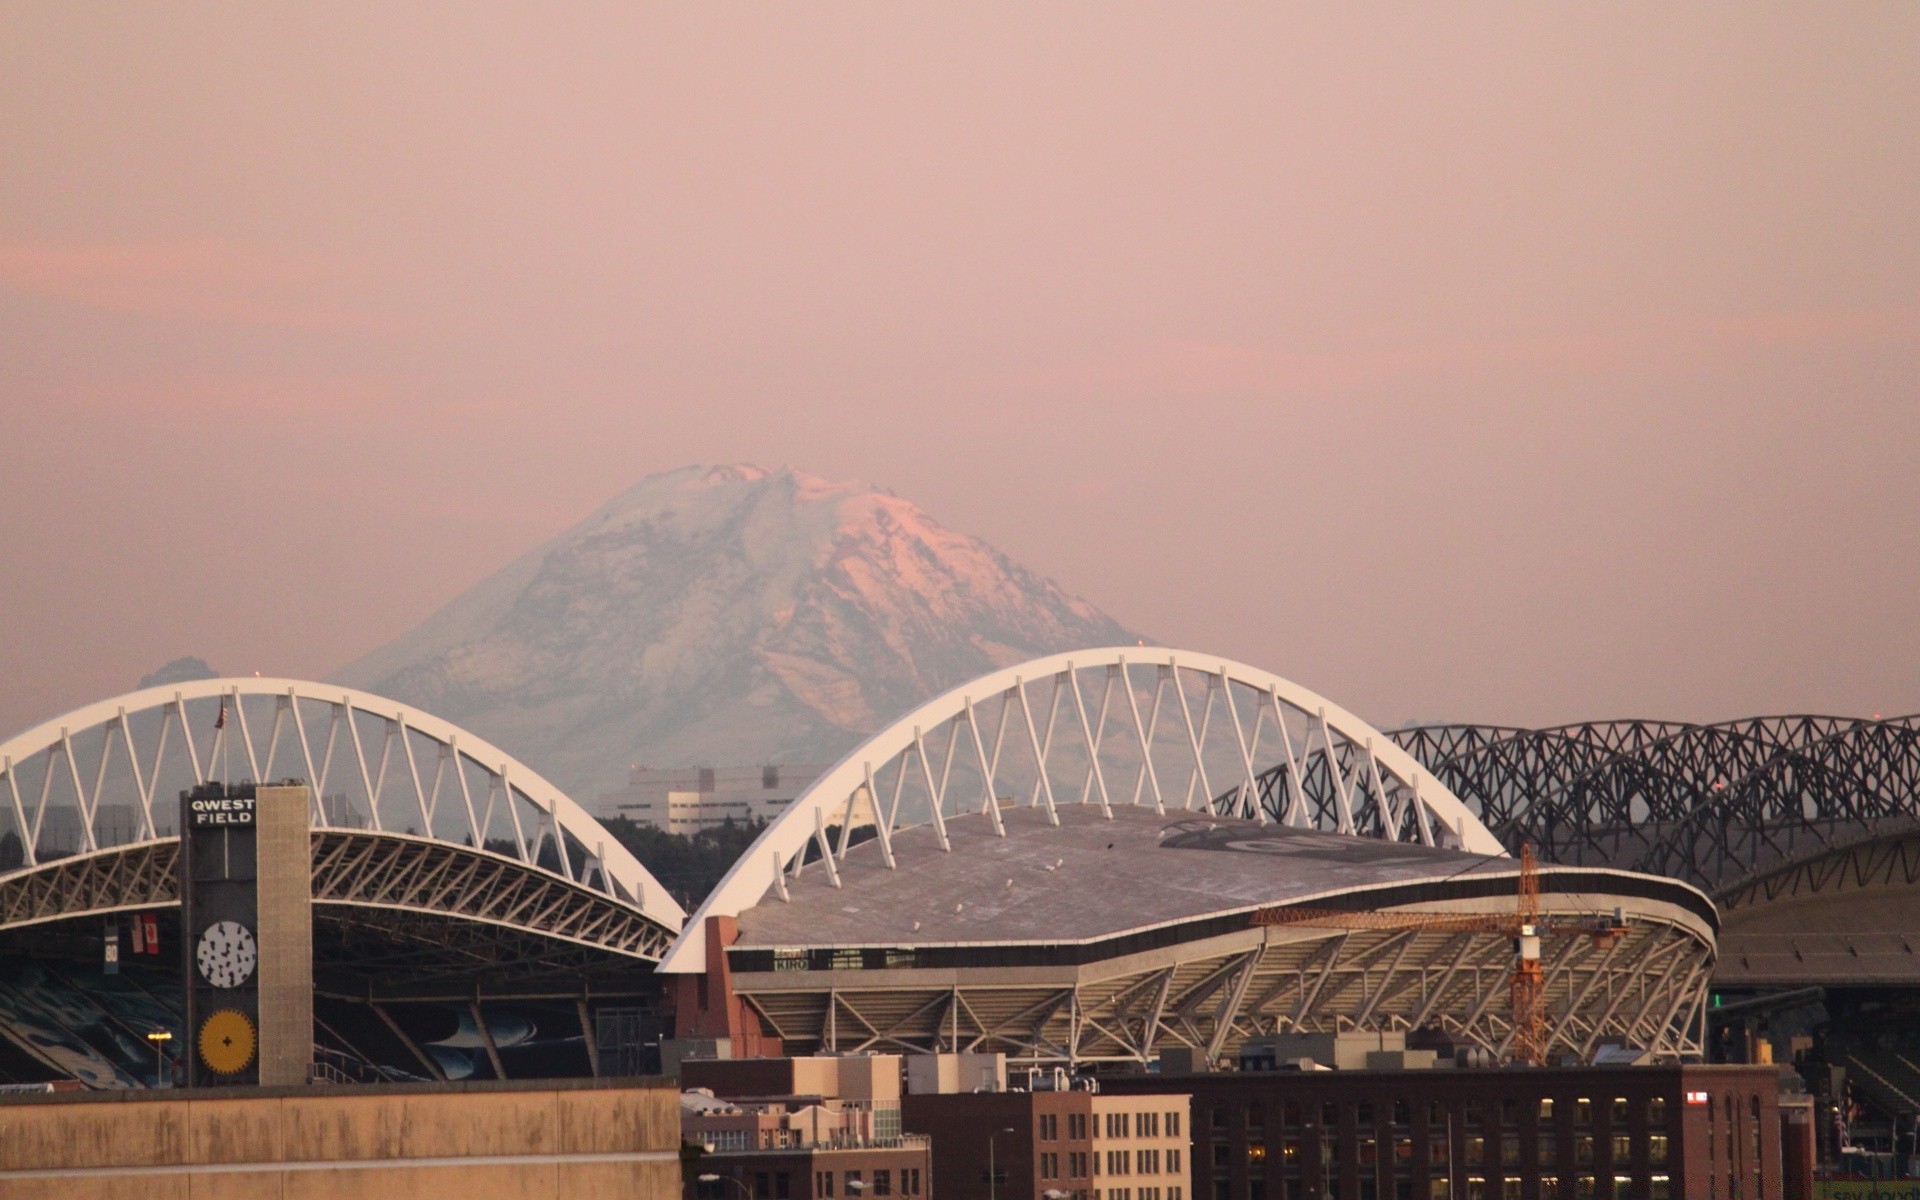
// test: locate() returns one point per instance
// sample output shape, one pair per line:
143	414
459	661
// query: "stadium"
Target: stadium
1067	861
468	920
1063	862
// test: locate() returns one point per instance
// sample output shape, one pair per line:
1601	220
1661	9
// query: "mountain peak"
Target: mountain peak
725	614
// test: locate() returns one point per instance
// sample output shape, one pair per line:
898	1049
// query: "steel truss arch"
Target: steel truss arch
100	778
352	869
1116	726
1715	805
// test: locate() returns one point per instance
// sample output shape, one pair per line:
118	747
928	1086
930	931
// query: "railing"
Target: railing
905	1141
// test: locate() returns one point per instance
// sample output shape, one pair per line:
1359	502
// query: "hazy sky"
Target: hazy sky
1519	363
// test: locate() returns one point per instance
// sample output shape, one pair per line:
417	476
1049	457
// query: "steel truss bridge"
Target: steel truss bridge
435	855
1714	805
1160	733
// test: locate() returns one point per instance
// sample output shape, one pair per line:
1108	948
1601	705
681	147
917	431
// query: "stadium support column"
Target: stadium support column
286	934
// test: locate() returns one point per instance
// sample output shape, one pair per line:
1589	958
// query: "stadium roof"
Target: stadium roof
1093	877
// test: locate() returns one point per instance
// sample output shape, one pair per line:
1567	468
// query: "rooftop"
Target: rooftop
1088	878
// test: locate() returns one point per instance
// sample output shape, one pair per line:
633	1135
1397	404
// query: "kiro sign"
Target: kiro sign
221	810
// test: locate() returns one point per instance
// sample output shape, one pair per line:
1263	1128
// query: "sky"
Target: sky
1472	362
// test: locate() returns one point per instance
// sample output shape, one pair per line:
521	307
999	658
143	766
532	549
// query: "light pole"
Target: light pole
159	1038
712	1177
993	1176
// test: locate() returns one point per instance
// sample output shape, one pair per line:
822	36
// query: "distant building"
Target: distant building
1056	1143
801	1129
689	799
1557	1133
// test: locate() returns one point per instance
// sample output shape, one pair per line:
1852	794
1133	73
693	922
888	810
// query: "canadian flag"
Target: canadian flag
151	924
220	722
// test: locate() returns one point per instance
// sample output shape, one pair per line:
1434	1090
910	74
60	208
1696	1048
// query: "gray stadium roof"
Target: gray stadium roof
1091	877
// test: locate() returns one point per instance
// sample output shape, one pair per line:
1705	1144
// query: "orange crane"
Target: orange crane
1523	925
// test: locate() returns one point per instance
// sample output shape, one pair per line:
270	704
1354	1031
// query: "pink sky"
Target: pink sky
1521	363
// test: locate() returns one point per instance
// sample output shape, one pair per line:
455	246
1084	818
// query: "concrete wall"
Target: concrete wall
421	1142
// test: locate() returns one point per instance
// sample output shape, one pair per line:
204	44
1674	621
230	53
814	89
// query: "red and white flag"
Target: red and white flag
220	722
139	935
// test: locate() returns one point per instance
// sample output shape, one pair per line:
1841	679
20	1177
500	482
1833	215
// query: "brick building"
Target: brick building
1577	1133
1056	1144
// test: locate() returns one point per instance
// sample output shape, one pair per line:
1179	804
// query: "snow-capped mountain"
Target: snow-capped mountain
724	615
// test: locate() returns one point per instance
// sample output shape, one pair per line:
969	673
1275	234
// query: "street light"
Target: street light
159	1038
993	1176
713	1178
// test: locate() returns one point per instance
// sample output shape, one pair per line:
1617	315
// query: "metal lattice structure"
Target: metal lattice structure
1709	804
411	815
1125	726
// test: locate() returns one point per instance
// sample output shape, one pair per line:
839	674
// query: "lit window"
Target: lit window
1619	1110
1546	1108
1583	1111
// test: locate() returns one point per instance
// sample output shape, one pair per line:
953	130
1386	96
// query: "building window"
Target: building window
1219	1116
1329	1111
1076	1127
1622	1150
1117	1125
883	1182
1583	1149
1049	1127
1583	1111
1549	1147
1256	1116
1510	1187
1474	1119
1509	1112
823	1184
1661	1188
1583	1188
1256	1153
1173	1124
1476	1151
1437	1152
853	1179
1476	1188
762	1186
1219	1154
1619	1110
1549	1187
1173	1162
1546	1108
1290	1114
1363	1113
1401	1113
1622	1187
1049	1166
1657	1110
1147	1124
1077	1165
1657	1148
1510	1150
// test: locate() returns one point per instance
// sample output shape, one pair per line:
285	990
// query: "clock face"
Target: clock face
227	954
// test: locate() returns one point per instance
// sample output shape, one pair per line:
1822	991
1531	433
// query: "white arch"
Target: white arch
388	771
1382	786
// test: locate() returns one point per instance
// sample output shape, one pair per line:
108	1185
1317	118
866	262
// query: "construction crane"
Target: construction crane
1523	926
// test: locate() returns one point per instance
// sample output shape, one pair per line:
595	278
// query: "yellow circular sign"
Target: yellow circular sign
227	1042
